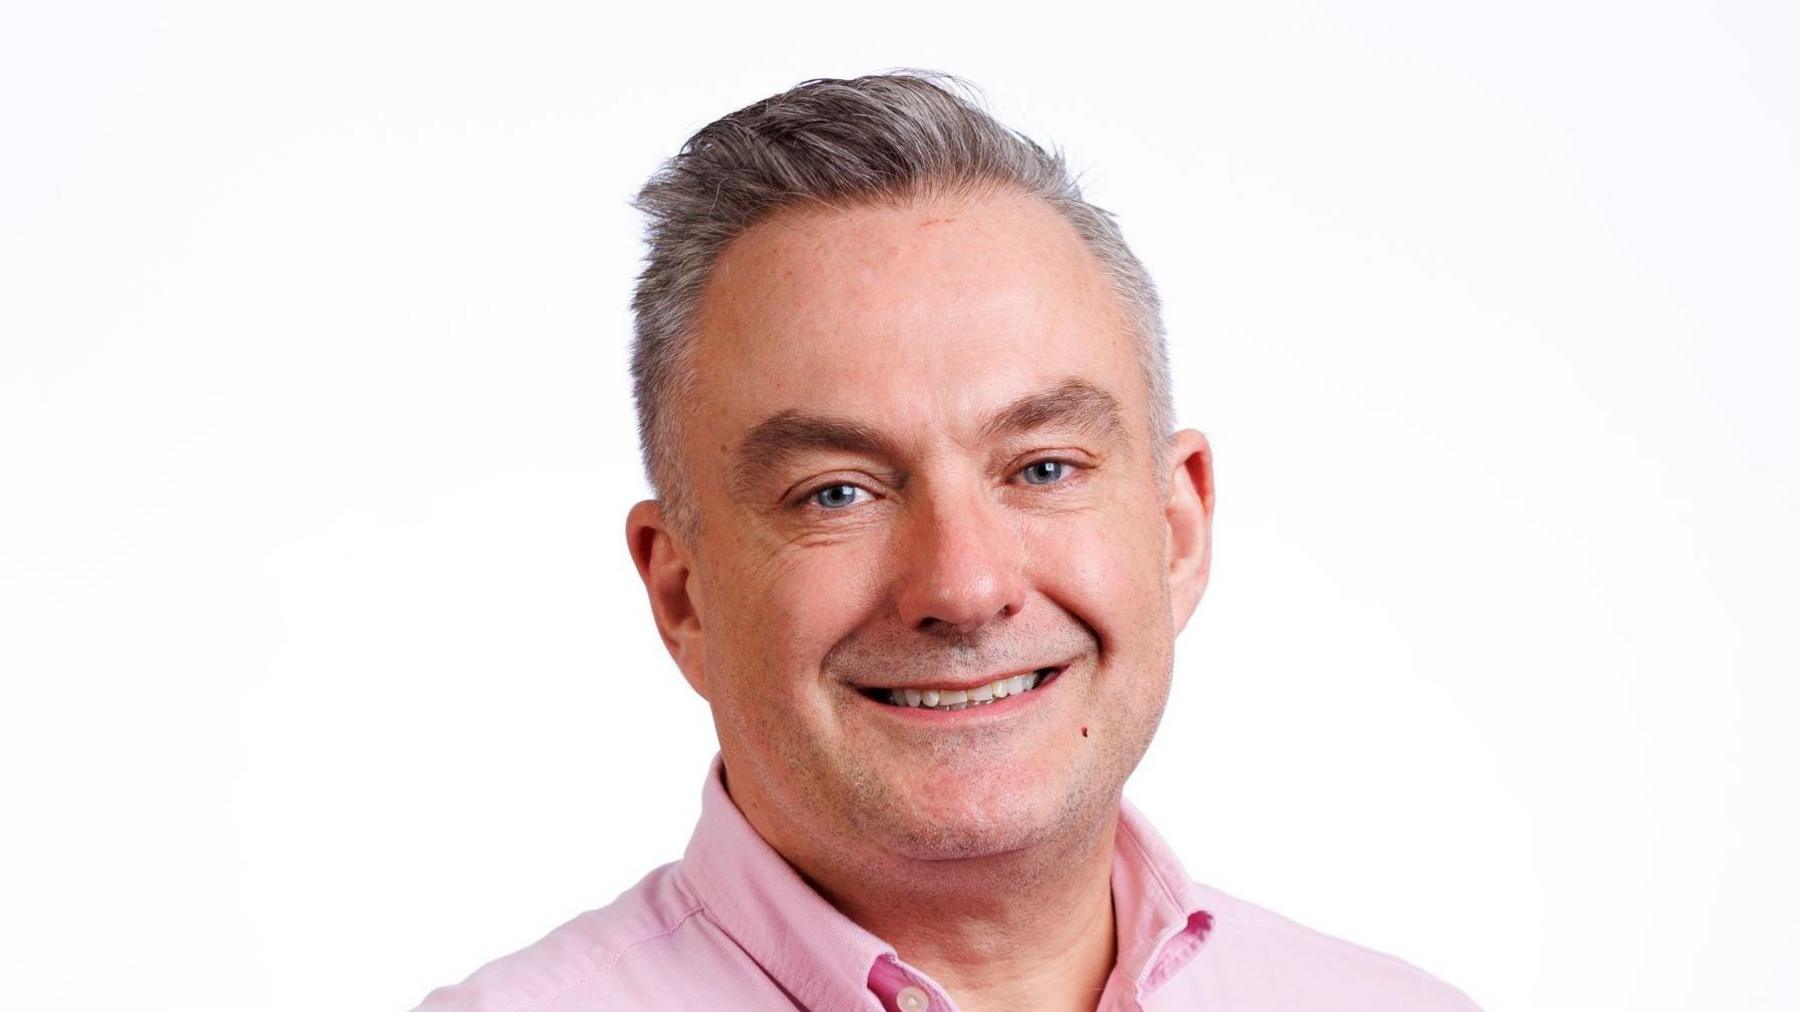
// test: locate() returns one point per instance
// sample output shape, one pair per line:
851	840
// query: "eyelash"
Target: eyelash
809	499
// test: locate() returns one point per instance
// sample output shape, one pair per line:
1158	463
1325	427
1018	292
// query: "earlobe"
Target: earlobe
664	566
1189	511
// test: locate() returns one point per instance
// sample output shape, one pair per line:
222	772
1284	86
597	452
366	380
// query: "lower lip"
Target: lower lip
995	710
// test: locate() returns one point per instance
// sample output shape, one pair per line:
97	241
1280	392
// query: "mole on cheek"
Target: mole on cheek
1084	732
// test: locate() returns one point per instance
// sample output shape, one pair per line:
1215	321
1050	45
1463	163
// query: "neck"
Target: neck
1030	929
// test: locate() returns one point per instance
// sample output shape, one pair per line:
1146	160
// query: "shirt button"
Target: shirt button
911	999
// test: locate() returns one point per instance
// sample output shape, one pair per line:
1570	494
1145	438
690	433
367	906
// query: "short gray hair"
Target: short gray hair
829	143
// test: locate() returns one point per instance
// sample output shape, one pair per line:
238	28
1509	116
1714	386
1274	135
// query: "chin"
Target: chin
991	822
964	841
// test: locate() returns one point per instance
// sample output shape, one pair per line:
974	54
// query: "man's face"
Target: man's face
920	452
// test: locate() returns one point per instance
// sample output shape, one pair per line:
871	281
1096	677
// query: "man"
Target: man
923	541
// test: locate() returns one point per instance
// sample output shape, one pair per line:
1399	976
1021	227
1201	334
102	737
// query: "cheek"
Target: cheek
1102	568
795	606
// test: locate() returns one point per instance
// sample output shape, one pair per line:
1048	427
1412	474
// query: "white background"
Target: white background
326	673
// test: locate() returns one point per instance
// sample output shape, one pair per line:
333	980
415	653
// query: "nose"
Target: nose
964	566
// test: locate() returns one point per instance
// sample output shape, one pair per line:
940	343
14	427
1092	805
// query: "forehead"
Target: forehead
920	319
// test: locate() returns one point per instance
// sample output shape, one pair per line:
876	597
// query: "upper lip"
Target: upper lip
964	685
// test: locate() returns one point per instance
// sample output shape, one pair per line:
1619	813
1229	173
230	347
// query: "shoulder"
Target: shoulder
620	953
1261	950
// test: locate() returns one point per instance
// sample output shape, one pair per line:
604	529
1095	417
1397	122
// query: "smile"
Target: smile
962	699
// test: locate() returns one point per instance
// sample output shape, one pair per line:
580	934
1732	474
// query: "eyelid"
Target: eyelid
805	499
1066	460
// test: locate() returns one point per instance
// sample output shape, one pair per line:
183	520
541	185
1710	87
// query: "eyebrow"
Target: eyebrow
774	442
1073	403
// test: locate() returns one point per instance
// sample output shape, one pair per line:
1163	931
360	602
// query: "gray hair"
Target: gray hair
829	143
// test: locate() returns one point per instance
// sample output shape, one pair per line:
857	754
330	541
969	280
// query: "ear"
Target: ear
668	574
1189	510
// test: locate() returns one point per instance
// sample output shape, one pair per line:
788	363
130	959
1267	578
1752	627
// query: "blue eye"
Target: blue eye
835	497
1045	472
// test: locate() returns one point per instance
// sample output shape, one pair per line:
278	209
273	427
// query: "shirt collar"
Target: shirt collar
825	960
820	957
1162	917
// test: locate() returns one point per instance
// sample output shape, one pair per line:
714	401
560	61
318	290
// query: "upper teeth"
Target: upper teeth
957	699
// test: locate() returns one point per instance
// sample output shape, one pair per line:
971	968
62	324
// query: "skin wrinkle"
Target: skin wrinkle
773	444
961	353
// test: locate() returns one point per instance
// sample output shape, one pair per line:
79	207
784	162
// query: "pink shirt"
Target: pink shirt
733	926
